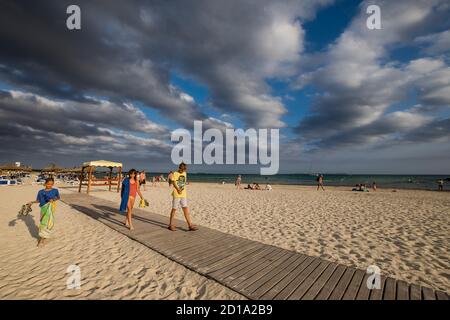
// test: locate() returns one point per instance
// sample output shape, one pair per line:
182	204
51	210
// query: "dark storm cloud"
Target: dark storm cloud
127	51
438	130
40	54
34	126
30	109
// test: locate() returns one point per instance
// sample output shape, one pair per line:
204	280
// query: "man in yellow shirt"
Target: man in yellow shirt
179	197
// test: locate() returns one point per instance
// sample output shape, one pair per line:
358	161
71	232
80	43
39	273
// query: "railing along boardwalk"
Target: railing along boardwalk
251	268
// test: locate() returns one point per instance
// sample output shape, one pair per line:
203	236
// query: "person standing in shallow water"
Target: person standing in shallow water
130	187
179	197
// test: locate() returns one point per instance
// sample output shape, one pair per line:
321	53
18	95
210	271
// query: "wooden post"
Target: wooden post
81	179
110	177
89	179
119	179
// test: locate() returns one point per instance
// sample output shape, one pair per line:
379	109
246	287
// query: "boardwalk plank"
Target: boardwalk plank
309	281
389	289
237	249
342	285
276	289
428	294
415	292
238	265
223	269
364	291
377	294
332	282
200	250
221	248
402	290
355	284
290	288
252	268
273	272
192	250
264	291
261	271
320	282
211	266
441	295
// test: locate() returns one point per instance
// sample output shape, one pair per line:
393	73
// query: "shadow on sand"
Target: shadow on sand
113	215
28	219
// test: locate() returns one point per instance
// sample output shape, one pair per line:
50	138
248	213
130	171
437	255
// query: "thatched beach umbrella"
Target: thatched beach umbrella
71	170
52	168
12	167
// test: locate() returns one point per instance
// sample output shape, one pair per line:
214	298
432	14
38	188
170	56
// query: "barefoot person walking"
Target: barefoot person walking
320	182
46	198
238	182
179	197
130	187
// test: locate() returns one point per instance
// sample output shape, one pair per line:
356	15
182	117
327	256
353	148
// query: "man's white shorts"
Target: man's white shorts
179	202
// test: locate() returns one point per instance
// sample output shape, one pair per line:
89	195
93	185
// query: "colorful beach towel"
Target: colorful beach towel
47	220
125	194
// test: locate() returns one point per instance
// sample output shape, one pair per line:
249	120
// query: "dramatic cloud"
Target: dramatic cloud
435	43
71	131
361	85
134	72
127	51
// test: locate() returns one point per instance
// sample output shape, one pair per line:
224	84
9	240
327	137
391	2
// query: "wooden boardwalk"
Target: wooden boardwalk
253	269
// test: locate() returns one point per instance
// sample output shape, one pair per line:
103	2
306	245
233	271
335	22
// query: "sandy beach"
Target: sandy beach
112	265
405	233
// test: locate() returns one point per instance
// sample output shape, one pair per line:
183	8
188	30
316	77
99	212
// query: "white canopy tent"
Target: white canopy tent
89	168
